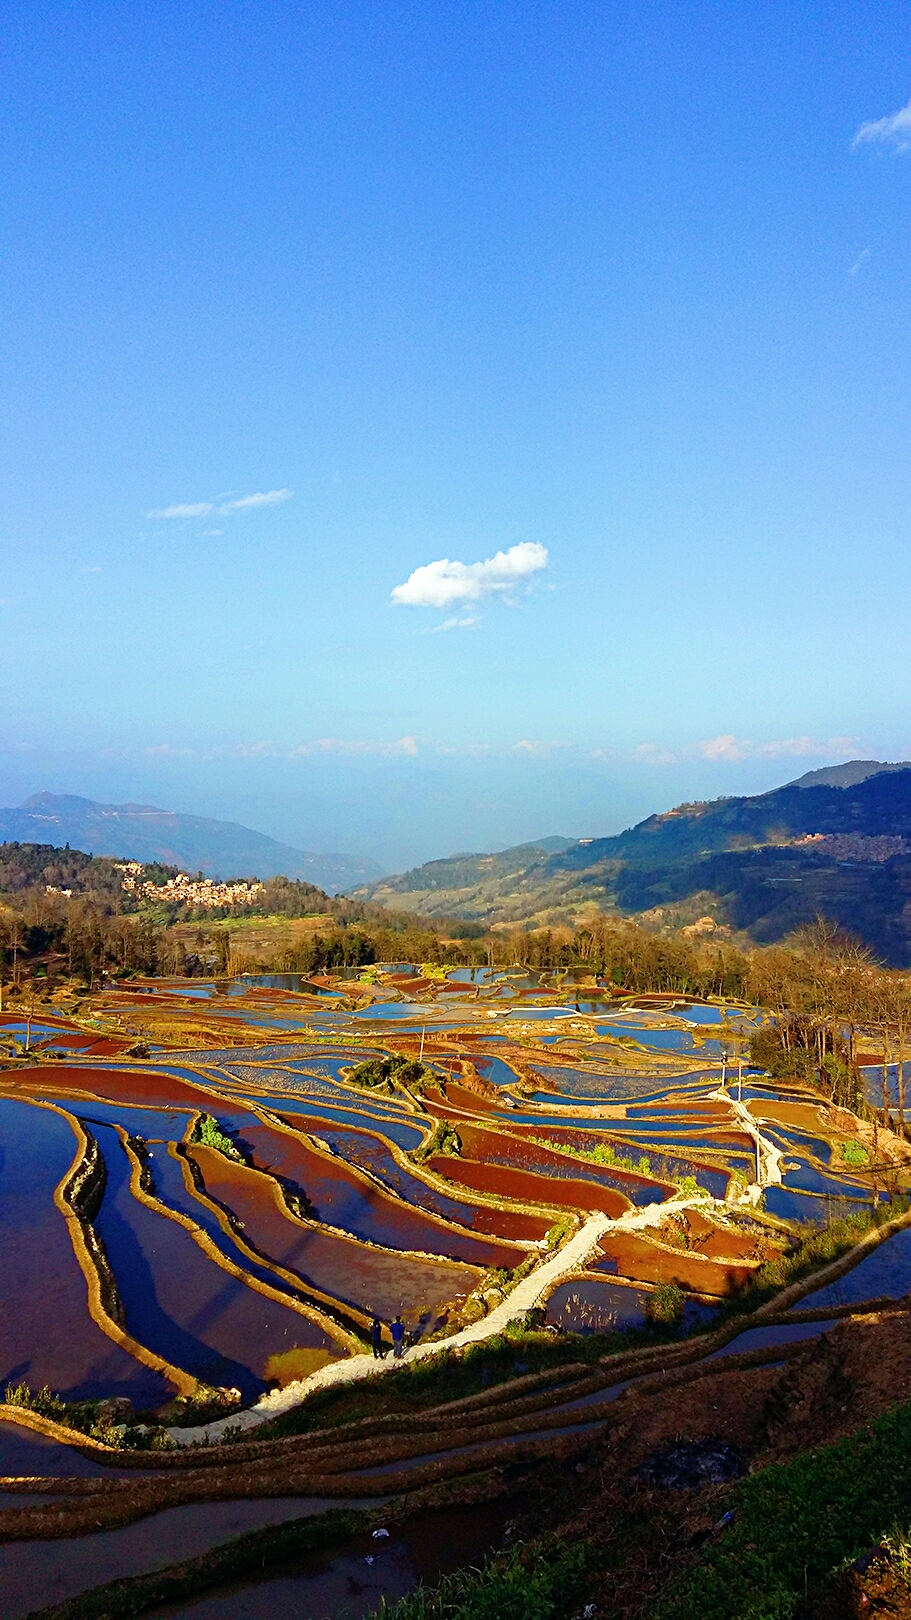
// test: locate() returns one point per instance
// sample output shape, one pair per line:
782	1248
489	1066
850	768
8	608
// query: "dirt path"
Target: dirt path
524	1297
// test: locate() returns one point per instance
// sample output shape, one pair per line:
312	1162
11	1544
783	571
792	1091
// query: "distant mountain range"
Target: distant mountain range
837	842
140	832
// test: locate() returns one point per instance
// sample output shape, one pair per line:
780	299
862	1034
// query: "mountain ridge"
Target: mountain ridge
761	865
145	833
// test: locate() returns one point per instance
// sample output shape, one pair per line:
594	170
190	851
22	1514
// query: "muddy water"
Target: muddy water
583	1306
341	1583
370	1279
38	1573
496	1148
361	1148
628	1255
148	1087
347	1200
170	1187
181	1304
46	1333
525	1186
662	1167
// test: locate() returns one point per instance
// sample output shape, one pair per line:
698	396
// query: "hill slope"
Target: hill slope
140	832
764	864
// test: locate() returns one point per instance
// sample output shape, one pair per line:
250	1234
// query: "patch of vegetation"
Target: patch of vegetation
445	1139
794	1525
395	1070
560	1230
85	1417
602	1154
854	1155
540	1583
666	1303
208	1131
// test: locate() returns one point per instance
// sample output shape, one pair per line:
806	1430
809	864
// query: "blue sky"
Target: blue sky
605	307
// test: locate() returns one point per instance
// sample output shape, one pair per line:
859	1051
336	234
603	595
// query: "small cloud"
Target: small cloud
533	749
90	570
243	503
184	509
464	623
733	749
892	131
166	751
442	583
403	747
209	534
729	749
726	747
269	497
858	262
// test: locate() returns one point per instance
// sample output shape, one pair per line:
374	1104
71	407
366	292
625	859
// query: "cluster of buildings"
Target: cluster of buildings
202	893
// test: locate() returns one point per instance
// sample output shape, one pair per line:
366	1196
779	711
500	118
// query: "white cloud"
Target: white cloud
185	510
269	497
733	749
406	747
463	623
729	749
209	534
244	503
443	583
892	131
859	261
533	749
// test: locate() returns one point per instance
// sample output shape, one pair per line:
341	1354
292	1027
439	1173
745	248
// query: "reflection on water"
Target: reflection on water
353	1580
885	1273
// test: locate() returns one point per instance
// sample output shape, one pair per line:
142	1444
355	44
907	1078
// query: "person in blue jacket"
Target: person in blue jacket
398	1338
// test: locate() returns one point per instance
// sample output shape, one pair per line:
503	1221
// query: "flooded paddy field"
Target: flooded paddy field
268	1203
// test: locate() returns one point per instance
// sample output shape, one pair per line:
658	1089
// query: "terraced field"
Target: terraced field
207	1232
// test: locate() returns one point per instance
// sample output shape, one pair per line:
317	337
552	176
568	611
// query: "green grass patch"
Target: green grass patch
796	1523
208	1131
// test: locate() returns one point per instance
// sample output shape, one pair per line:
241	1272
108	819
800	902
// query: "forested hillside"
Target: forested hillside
762	866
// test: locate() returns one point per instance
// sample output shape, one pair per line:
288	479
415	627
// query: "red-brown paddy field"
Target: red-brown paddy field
206	1235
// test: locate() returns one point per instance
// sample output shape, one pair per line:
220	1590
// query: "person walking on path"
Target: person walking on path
398	1338
376	1338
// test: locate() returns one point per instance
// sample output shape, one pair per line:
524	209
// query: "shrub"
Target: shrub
208	1131
666	1303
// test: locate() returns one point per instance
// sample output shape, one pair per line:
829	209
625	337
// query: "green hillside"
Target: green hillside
762	865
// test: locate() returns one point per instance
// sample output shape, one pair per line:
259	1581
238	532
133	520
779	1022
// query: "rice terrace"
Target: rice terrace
318	1269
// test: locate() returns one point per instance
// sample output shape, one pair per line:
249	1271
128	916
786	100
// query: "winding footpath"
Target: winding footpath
566	1263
